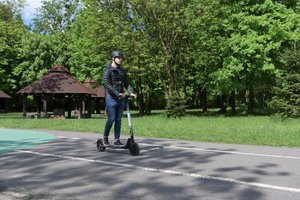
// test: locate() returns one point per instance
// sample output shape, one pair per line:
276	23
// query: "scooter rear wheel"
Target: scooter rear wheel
134	148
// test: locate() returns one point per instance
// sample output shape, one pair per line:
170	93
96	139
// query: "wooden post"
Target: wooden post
24	100
69	105
89	106
80	107
44	100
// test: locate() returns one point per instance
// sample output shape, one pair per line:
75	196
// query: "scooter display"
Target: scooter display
133	147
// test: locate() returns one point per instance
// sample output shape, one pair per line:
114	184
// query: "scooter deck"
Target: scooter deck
130	144
114	146
100	143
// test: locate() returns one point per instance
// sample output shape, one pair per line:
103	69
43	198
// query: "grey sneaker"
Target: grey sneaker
118	143
105	141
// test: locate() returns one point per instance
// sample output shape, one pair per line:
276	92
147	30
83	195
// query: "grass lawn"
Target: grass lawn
254	130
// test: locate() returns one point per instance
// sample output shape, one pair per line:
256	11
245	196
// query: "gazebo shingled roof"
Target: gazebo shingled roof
4	95
100	91
58	81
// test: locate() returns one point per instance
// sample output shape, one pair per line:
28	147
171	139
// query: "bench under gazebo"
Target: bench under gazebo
61	90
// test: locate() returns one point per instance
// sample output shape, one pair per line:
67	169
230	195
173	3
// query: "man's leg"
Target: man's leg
118	120
111	106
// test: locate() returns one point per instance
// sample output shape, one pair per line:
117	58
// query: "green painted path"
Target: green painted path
12	139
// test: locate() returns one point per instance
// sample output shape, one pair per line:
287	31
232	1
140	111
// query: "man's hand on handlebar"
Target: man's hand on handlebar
133	95
123	95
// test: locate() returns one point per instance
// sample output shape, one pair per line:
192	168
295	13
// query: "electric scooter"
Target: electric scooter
133	147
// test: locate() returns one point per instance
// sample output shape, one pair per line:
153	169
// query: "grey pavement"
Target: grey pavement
70	167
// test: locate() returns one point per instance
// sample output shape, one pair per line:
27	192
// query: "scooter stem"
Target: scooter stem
129	119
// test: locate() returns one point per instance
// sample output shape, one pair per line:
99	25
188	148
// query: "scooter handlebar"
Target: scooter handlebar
127	96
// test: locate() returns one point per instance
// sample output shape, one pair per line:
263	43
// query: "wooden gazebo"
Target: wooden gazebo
3	97
59	84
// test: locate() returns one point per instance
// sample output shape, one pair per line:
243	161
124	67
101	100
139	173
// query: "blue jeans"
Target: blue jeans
114	110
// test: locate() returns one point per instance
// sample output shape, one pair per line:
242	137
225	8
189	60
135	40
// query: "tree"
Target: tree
55	16
37	55
54	20
46	44
256	33
11	31
90	40
165	23
206	36
287	90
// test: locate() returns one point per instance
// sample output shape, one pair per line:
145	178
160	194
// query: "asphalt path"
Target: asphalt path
70	168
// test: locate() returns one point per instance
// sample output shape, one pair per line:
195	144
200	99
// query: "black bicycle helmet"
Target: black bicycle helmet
116	53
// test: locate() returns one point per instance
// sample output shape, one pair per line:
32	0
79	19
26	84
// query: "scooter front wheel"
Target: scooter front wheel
100	146
101	149
134	148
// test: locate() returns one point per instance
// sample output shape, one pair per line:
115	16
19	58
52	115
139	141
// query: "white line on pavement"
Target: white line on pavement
234	152
255	184
226	152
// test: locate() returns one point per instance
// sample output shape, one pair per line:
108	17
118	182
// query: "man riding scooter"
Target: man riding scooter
115	83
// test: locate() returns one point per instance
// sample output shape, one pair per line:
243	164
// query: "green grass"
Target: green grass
254	130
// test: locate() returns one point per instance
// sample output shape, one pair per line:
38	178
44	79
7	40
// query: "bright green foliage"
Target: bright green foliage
287	90
54	20
255	35
205	36
90	44
11	31
190	49
102	27
166	24
175	106
55	16
37	54
47	44
286	96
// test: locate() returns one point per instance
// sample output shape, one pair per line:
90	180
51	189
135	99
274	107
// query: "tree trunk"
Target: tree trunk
148	100
203	99
261	97
250	100
141	102
232	102
223	103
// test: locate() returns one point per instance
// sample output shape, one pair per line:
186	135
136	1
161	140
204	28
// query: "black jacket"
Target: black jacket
115	81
